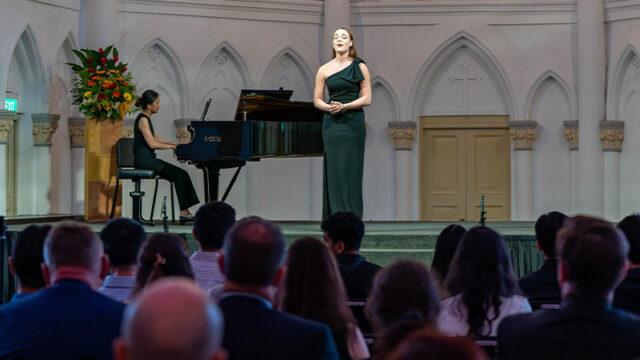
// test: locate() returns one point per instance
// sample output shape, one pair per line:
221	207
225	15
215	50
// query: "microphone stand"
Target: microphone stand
163	212
483	213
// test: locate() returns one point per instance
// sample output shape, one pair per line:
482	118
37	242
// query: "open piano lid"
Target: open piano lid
274	105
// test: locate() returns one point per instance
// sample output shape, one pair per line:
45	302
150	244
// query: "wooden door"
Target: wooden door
462	159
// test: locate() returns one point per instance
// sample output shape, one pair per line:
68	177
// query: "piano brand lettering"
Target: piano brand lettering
213	139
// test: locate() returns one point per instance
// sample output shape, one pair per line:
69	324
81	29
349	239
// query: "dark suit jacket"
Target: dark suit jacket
66	321
581	329
357	274
254	331
541	284
627	294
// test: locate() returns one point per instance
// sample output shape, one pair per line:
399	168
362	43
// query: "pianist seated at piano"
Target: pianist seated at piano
145	142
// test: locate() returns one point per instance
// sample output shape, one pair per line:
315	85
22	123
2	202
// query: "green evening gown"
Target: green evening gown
344	136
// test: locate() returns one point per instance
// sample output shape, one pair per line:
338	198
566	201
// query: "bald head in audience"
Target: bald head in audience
172	319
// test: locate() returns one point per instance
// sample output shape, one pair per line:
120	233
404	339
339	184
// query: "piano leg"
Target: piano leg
211	178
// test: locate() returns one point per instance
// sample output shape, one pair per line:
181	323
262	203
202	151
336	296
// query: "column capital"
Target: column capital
76	131
571	133
7	118
612	135
182	132
523	134
44	125
402	133
127	127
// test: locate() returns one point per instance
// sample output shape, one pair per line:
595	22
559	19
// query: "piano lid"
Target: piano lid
274	105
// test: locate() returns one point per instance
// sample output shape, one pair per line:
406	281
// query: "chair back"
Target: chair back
124	151
544	304
490	346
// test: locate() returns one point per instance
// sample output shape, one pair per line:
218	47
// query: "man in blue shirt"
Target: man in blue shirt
68	320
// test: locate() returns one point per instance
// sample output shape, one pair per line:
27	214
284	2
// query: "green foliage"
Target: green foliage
103	89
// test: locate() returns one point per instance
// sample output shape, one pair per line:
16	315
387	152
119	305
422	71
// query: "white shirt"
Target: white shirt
206	270
118	287
452	319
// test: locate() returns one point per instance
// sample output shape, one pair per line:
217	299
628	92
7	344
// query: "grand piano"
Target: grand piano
267	124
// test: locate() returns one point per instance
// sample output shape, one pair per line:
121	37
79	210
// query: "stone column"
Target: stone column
402	133
98	23
76	133
571	134
336	14
44	125
127	127
523	135
591	59
612	135
7	118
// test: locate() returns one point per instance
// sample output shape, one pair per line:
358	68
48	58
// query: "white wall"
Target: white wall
521	54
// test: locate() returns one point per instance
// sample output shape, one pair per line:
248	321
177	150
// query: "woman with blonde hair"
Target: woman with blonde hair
343	131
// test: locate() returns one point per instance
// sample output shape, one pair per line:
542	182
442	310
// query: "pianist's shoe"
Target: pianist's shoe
186	219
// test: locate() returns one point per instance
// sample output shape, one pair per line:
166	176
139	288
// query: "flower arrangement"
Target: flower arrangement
103	88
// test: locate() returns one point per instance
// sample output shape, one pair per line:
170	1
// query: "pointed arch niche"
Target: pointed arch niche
626	105
289	71
550	102
27	82
158	67
379	168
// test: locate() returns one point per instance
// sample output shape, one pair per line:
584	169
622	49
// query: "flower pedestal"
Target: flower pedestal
100	166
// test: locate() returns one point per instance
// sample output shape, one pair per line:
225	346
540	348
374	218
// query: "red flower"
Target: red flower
103	60
125	83
106	86
101	51
115	58
92	69
124	69
102	97
107	74
114	85
89	59
91	83
95	78
116	94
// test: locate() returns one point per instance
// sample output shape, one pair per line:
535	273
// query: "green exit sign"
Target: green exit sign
11	104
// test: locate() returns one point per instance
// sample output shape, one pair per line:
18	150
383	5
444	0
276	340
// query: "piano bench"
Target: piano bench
137	175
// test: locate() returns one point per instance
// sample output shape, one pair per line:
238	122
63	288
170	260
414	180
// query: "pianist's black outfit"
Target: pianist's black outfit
145	158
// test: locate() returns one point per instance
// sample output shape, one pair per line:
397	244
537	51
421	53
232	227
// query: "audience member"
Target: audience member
429	344
70	319
122	239
446	247
343	232
161	255
403	299
212	221
483	287
26	257
542	285
253	257
592	259
627	295
313	290
172	319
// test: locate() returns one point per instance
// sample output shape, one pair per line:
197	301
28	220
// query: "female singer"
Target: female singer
145	142
343	131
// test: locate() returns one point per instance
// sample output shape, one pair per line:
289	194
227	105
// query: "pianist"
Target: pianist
145	142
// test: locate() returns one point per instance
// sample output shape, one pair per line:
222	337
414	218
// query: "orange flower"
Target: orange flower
91	83
116	94
106	86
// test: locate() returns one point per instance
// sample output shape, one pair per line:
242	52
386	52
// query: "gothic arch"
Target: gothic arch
431	67
29	63
277	62
155	48
629	57
381	82
536	89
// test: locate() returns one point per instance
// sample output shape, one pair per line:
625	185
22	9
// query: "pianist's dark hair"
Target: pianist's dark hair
147	97
352	50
